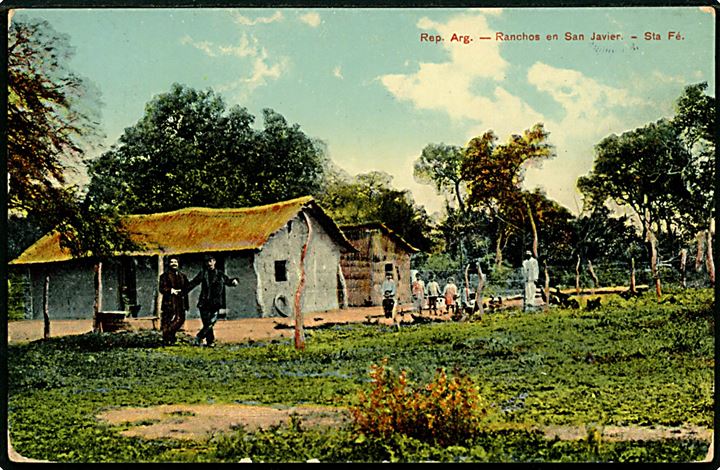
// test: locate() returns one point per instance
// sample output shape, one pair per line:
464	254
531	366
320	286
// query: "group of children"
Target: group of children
448	295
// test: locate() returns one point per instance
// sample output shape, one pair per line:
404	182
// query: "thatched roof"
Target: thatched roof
198	230
349	229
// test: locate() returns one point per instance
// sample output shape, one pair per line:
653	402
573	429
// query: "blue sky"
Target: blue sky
362	80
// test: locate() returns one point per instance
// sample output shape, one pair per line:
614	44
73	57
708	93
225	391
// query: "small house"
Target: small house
378	250
261	246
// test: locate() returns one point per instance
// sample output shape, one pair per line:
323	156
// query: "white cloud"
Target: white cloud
245	21
591	111
246	47
337	73
311	19
263	69
448	86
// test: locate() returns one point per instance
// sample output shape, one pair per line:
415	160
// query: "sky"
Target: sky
372	85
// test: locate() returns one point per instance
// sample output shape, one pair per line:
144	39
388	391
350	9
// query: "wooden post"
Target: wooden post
342	288
596	283
632	276
46	308
547	287
709	262
577	277
299	326
683	262
97	325
158	297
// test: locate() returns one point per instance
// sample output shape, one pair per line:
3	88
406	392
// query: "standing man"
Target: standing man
389	292
418	292
433	290
212	297
173	287
530	273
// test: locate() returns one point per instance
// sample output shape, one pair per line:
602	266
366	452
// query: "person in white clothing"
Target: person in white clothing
530	273
433	291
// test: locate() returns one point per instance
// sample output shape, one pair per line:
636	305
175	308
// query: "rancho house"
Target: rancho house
261	246
377	251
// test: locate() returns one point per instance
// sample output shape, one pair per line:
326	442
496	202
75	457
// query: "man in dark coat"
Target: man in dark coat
212	297
173	287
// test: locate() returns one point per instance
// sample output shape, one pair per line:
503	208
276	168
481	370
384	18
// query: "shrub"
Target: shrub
448	410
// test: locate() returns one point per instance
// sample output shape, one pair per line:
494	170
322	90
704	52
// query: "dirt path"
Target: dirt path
197	422
226	331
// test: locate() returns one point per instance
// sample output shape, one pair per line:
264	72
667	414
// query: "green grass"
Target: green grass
631	362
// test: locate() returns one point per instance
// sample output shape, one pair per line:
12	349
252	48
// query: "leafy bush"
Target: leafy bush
446	410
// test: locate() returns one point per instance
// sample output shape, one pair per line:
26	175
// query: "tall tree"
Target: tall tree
50	119
51	124
642	169
190	150
695	120
495	174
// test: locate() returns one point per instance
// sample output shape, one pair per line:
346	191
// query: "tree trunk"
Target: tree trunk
461	205
577	277
479	295
596	283
710	263
299	323
498	250
534	230
342	288
158	297
683	263
700	252
547	287
97	307
46	308
653	263
466	289
632	276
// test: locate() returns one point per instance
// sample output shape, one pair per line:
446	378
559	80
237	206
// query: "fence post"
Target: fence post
547	287
98	297
46	308
632	275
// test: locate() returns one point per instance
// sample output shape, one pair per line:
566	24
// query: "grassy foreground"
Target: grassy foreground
630	363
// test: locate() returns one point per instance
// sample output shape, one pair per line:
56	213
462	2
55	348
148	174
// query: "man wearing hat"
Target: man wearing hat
173	287
212	297
530	273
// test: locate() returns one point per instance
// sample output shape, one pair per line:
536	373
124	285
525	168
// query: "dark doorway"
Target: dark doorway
128	285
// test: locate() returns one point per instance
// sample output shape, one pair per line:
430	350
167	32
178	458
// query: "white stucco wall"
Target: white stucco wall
321	267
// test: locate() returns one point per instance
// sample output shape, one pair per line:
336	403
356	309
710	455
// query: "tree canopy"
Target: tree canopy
495	173
441	166
189	149
52	123
369	197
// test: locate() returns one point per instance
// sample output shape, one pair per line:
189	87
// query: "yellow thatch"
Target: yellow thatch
196	230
